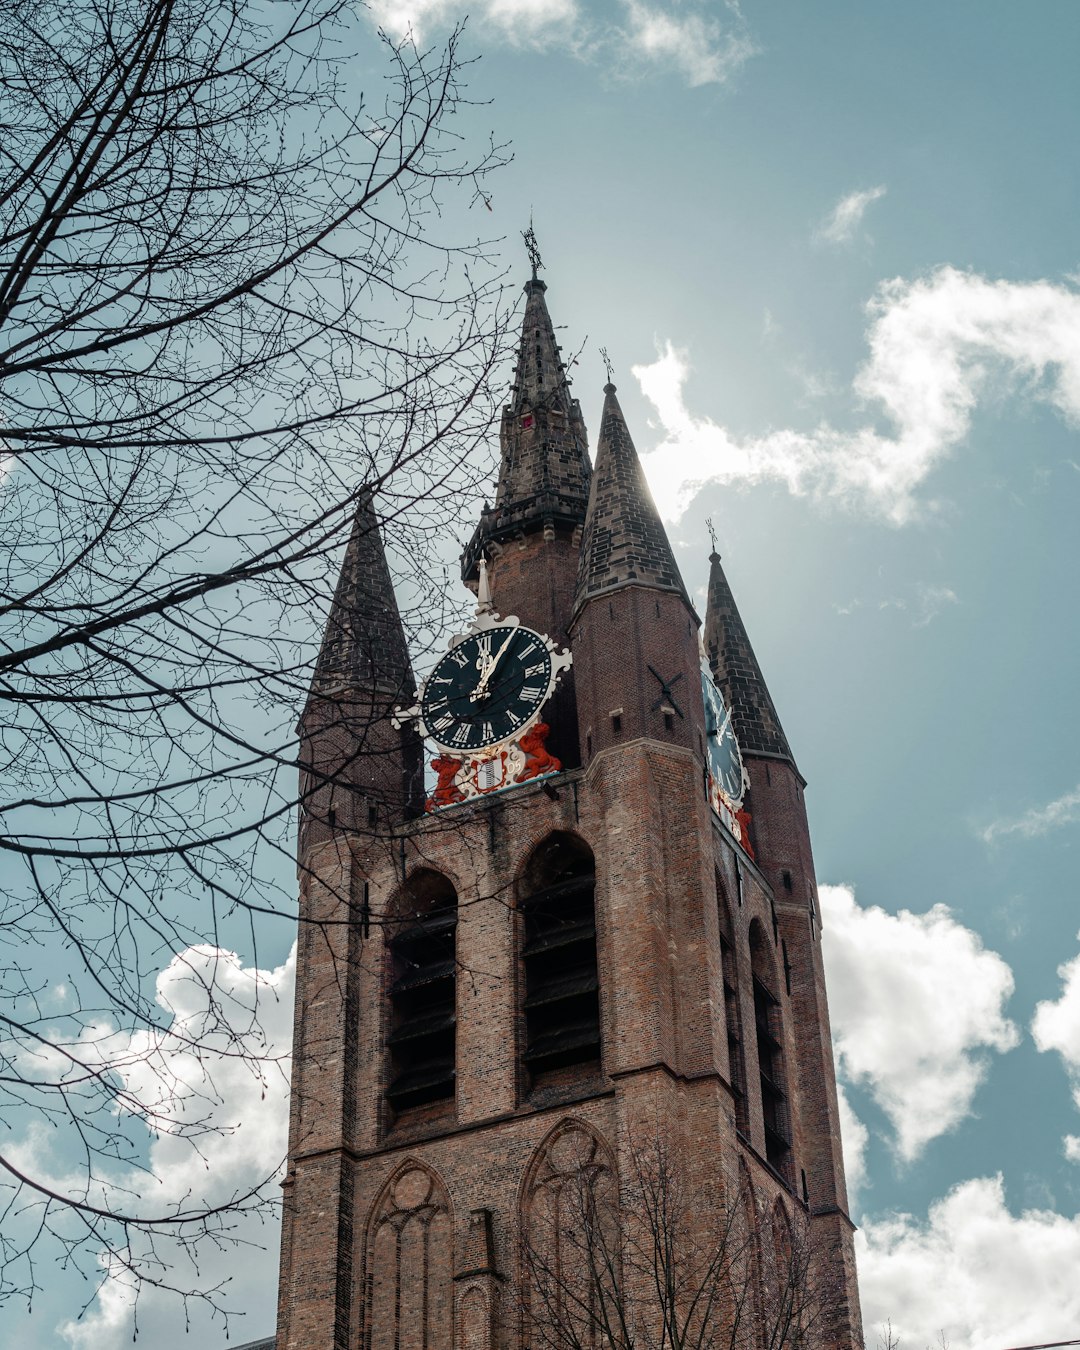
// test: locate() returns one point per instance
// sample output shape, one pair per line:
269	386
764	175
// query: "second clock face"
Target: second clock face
487	688
725	761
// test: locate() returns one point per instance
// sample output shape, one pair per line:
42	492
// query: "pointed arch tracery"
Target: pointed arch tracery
569	1238
422	978
747	1283
556	892
768	1026
409	1264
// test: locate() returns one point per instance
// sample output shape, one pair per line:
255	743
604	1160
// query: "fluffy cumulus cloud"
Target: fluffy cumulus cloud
855	1137
938	345
236	1082
1056	1026
691	40
916	1003
971	1270
842	223
1037	821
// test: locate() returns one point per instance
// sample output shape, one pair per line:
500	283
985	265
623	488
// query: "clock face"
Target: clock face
722	749
487	688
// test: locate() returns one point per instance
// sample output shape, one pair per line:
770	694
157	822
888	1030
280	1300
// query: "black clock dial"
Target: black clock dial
722	749
487	688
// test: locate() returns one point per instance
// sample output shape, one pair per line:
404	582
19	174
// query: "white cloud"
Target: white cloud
519	21
1056	1026
916	1001
855	1137
938	345
931	601
693	42
844	219
971	1270
1038	820
1072	1147
245	1093
689	40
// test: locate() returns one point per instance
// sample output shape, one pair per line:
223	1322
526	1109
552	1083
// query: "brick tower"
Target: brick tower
562	1058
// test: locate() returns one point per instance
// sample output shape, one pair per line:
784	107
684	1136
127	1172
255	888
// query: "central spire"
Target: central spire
544	470
540	377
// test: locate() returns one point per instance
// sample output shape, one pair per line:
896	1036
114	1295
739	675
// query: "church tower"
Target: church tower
562	1061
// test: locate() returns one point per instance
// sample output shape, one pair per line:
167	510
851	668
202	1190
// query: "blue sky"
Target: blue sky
831	252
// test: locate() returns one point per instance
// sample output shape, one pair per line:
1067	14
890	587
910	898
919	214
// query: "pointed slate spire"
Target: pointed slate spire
364	645
544	446
737	673
544	467
540	376
624	543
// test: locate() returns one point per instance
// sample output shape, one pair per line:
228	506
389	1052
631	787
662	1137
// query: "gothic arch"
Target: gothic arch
732	1009
769	1033
785	1278
408	1265
424	889
560	979
421	983
746	1266
568	1222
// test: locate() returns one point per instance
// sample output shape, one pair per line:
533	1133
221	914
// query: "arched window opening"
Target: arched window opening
732	1012
562	1002
769	1030
423	989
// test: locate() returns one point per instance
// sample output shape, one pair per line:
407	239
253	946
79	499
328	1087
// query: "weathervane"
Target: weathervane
607	364
532	248
712	532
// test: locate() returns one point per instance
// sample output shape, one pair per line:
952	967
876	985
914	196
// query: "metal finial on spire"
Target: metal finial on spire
532	248
712	532
607	364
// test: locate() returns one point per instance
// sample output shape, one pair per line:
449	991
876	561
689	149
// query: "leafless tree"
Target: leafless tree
231	301
652	1261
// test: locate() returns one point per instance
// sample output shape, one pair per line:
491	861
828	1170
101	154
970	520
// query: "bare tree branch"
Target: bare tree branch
239	294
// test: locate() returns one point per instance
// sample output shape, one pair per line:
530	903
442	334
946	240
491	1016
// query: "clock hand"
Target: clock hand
489	669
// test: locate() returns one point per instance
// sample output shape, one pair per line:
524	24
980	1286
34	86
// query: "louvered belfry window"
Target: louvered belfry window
732	1013
562	987
423	994
768	1027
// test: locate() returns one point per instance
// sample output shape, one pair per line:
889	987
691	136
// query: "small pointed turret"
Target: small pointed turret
737	673
363	648
359	771
634	629
624	542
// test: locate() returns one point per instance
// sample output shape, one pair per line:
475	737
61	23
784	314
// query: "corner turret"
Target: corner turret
737	673
624	542
359	772
634	629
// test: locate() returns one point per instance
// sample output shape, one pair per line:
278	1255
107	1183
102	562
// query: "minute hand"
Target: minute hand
489	670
